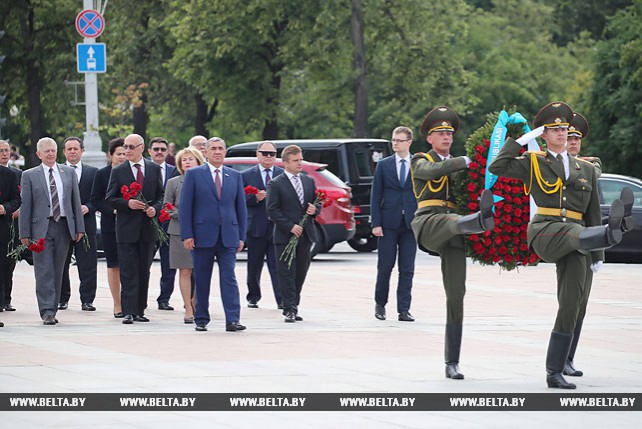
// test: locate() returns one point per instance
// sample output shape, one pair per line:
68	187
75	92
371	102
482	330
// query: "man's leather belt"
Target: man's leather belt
560	212
436	203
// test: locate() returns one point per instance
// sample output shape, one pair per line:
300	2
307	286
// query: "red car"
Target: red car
336	222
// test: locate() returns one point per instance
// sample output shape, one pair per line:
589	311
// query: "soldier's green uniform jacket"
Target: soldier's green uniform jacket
564	205
432	182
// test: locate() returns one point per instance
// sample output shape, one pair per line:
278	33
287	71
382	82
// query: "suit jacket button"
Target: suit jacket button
564	188
563	219
563	212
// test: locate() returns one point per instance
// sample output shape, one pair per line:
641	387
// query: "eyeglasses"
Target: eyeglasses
5	150
400	140
131	146
267	153
159	149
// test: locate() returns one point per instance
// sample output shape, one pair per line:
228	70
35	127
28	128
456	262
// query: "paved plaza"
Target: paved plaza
339	347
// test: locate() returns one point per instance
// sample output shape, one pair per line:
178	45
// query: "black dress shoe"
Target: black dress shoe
557	381
1	309
88	306
138	318
128	319
55	320
404	316
234	326
1	325
290	317
188	320
252	304
63	306
119	315
165	306
279	306
200	327
298	318
49	320
8	307
380	312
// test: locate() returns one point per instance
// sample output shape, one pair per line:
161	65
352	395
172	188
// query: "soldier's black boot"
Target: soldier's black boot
569	368
451	351
558	348
481	221
626	196
603	237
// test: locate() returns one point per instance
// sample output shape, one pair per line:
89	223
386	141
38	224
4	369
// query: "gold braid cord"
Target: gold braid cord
547	188
443	180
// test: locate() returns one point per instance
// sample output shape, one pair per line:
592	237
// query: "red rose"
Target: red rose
496	258
473	165
483	162
508	259
471	187
479	157
487	243
473	175
517	212
477	247
498	240
472	206
474	237
503	250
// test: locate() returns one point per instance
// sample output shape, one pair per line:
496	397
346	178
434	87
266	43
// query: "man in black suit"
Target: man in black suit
289	196
86	259
7	265
259	227
135	234
158	150
9	203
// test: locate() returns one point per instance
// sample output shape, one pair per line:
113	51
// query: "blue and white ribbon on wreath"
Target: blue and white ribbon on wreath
497	141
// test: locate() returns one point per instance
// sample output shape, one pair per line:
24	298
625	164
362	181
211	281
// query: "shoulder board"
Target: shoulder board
584	160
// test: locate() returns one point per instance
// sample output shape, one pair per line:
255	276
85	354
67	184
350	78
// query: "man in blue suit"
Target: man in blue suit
259	226
213	221
158	150
392	208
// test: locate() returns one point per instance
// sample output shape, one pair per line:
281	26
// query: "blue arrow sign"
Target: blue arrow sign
92	57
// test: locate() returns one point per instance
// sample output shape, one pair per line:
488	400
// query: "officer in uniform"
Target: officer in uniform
567	228
439	228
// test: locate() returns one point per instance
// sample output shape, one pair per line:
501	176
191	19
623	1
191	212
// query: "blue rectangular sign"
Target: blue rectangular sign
92	57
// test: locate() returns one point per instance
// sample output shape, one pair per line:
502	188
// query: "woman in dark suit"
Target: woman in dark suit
179	257
108	220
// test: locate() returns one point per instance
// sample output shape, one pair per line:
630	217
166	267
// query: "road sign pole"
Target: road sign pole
93	144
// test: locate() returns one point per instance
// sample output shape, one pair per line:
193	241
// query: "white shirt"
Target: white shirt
163	167
220	173
132	165
398	164
78	169
564	161
59	188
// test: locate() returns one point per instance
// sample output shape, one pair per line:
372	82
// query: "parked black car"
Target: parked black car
352	160
610	185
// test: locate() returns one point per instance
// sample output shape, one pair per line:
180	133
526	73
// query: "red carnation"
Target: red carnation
497	258
473	175
498	240
479	157
169	206
517	212
508	259
487	242
474	237
164	216
251	190
503	250
472	206
473	165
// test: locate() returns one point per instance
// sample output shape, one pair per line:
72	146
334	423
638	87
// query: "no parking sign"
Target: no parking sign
90	23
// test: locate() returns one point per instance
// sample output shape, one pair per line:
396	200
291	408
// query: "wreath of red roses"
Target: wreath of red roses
506	245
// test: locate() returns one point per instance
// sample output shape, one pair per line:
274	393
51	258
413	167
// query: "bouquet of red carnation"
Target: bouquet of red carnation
34	246
289	253
166	212
251	190
135	191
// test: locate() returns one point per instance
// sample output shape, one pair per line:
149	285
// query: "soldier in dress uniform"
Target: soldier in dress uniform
439	228
567	228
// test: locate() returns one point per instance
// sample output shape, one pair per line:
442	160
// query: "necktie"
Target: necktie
217	183
267	176
139	175
55	202
75	167
560	159
402	173
298	187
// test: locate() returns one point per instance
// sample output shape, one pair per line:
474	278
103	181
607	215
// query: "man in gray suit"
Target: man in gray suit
50	210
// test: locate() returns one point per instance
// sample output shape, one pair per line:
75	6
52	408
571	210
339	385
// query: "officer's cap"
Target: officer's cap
440	118
554	115
579	126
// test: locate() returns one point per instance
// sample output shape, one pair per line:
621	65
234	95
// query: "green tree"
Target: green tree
615	100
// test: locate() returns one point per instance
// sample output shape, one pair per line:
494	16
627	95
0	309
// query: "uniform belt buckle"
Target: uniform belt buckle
563	212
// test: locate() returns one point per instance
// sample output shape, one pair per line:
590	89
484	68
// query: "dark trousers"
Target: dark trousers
571	290
259	249
291	280
135	261
7	265
86	261
168	275
203	258
396	242
453	273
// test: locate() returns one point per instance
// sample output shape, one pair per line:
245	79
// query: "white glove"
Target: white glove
531	135
595	266
468	161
